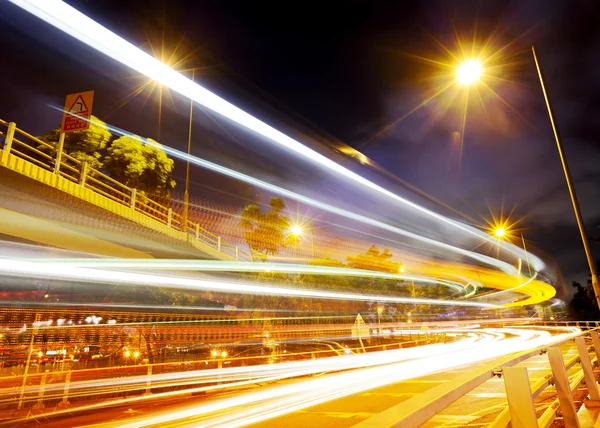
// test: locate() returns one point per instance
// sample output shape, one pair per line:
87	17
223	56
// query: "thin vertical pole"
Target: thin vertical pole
186	194
570	185
8	137
526	256
28	362
59	151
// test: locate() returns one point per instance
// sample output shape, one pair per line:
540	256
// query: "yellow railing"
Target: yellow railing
52	158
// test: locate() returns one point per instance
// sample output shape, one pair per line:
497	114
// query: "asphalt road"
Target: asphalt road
476	409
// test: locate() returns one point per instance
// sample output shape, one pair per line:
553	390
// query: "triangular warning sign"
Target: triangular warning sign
78	106
359	320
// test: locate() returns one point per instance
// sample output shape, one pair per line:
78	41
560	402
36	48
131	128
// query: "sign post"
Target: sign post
76	117
360	330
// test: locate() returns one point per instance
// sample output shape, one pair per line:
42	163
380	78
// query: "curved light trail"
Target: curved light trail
76	24
351	374
268	402
224	266
439	273
19	268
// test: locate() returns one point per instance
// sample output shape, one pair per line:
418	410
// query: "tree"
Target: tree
583	306
374	259
265	232
85	146
140	165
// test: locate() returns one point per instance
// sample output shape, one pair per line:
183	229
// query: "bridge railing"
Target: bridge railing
51	157
521	411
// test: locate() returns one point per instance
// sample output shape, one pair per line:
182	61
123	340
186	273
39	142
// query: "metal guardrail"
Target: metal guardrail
53	159
520	394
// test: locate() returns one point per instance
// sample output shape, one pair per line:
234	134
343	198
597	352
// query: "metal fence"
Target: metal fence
52	158
521	411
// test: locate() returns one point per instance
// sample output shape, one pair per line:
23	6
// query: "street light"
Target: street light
379	311
298	231
469	72
499	232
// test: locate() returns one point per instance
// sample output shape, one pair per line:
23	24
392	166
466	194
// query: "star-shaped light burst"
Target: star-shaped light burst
177	57
464	79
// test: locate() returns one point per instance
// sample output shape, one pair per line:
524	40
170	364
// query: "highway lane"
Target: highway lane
335	399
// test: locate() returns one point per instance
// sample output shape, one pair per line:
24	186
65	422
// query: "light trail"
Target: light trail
44	270
272	371
505	267
71	21
224	266
536	290
252	407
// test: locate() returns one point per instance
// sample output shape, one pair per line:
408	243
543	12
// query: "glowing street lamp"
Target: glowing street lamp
469	72
298	231
499	232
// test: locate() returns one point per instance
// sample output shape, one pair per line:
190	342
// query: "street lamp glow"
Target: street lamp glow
469	72
500	232
296	230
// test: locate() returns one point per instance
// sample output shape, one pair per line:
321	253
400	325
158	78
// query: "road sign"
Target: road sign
77	112
360	330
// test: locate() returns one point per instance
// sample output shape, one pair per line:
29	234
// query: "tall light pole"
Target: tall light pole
379	311
468	73
574	202
186	194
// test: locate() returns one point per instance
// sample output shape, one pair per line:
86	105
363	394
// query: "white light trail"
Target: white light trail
31	269
503	266
224	266
69	20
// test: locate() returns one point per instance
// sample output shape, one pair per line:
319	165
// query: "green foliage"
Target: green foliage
374	259
265	232
142	166
85	146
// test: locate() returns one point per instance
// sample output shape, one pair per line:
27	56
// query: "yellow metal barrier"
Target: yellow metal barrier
46	163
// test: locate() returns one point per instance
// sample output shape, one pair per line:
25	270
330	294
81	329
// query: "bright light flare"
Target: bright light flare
469	72
297	230
499	232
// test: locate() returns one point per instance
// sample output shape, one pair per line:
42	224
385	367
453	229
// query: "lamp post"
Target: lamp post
379	311
468	73
186	194
574	202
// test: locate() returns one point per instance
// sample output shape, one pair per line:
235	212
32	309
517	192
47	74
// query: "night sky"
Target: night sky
349	68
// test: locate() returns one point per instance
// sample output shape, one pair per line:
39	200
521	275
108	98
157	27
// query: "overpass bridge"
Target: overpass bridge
47	197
